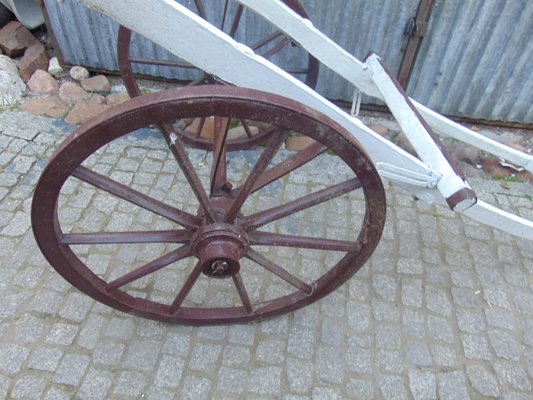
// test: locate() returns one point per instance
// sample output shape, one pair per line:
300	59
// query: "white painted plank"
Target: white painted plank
208	48
350	68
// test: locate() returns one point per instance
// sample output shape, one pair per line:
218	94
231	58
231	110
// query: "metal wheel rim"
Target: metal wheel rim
125	68
161	106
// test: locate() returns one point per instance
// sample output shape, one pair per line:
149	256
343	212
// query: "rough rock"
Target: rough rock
465	152
78	73
12	87
298	143
49	106
380	130
117	98
34	58
84	110
208	128
71	93
42	82
54	68
404	143
239	132
98	83
15	38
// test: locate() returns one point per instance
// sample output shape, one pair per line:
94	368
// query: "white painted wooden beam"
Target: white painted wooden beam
353	70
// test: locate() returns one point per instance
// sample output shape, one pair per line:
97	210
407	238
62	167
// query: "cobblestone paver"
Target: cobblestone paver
443	310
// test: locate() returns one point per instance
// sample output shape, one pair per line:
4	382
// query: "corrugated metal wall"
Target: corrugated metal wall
476	60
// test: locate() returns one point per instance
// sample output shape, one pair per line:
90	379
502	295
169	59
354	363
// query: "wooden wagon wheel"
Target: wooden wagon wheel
197	133
231	242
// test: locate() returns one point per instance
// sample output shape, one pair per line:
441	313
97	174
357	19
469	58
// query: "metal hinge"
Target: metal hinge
416	28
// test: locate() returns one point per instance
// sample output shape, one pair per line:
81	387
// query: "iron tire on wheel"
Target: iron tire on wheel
125	61
224	239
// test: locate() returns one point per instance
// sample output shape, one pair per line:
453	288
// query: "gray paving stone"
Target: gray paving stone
359	355
76	307
108	353
130	383
264	381
329	365
422	384
528	332
142	355
391	387
45	359
412	292
95	385
389	361
437	301
384	311
4	386
387	337
270	351
500	319
332	333
29	387
177	343
236	356
204	356
71	369
358	316
232	380
511	374
409	266
12	357
301	343
452	385
299	375
170	371
195	388
440	329
470	321
483	381
523	302
361	389
61	334
504	345
385	286
476	347
120	328
323	393
18	225
413	323
417	353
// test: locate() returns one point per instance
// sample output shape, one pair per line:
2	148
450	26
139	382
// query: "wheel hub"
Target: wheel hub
219	247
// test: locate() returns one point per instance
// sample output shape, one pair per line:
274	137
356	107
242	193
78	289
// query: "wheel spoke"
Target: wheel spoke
243	294
297	71
200	127
290	164
200	8
177	149
276	48
259	219
236	20
218	171
165	63
180	236
266	40
224	15
187	286
269	152
246	128
304	242
161	262
126	193
279	271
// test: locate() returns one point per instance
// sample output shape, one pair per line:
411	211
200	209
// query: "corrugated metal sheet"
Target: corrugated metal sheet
476	60
87	38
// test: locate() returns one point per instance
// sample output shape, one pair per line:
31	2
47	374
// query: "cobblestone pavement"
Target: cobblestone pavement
444	308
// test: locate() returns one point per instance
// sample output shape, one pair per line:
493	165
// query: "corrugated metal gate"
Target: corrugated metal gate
475	58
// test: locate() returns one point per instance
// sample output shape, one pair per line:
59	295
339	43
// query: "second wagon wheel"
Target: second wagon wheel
239	23
148	226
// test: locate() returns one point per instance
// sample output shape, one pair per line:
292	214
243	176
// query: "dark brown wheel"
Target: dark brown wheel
151	228
275	46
